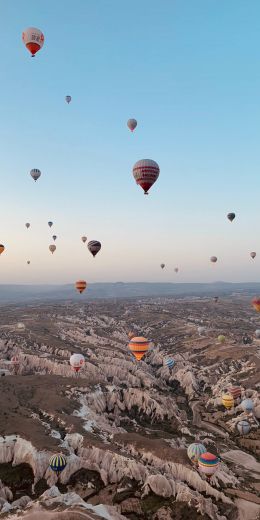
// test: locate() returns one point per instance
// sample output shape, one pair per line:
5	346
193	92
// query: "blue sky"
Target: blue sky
188	71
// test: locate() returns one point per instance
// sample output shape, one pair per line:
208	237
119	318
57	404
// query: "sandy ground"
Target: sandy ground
23	395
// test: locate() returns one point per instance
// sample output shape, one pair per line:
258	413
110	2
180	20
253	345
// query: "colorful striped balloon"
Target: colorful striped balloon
208	463
169	362
195	450
139	346
235	391
228	400
58	463
243	427
80	285
146	172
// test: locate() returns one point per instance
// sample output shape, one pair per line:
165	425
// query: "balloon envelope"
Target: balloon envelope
68	99
235	391
84	239
27	225
243	427
50	224
139	346
146	173
213	259
169	362
228	401
2	248
162	266
54	237
33	39
221	338
247	405
52	248
94	247
35	174
195	450
132	124
256	303
257	333
253	254
58	463
208	463
77	361
81	285
231	216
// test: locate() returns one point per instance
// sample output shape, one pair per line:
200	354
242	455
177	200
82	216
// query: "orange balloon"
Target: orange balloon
256	304
2	248
139	346
81	285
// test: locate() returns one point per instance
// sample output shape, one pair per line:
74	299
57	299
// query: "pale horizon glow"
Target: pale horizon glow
189	73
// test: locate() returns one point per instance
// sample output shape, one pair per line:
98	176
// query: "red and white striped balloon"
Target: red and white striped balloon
146	172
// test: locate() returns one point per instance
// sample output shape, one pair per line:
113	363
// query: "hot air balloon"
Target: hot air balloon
231	216
247	405
68	99
54	237
228	401
247	340
255	303
195	450
253	254
20	326
162	266
146	172
35	174
216	299
33	39
235	391
257	333
243	427
27	225
81	285
176	269
94	247
28	262
52	248
132	124
77	362
201	330
139	346
221	338
169	362
208	463
84	239
50	224
58	463
2	248
213	259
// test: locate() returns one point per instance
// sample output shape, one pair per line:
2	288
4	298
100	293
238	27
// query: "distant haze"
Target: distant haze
26	293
